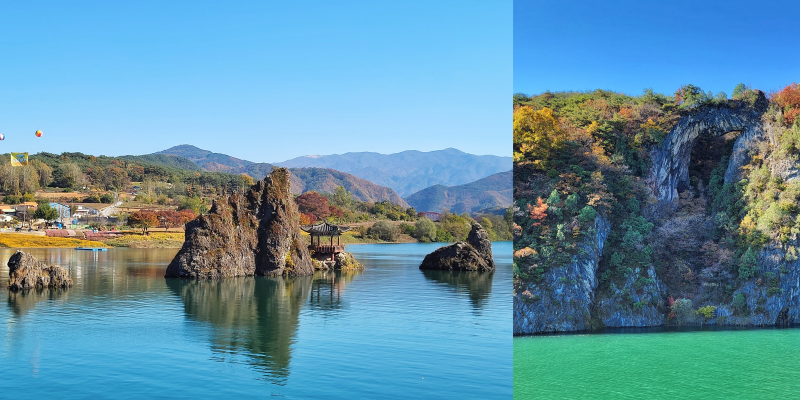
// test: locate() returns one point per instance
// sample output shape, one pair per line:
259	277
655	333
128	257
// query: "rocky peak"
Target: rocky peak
245	234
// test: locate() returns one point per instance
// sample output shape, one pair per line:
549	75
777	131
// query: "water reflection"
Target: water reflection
254	316
478	285
22	301
327	291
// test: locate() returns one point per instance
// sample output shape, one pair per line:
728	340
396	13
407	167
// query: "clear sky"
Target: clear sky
265	81
627	46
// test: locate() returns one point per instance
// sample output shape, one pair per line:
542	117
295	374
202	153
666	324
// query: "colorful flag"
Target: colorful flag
19	159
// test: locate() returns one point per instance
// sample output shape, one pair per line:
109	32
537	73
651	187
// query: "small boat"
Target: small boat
92	248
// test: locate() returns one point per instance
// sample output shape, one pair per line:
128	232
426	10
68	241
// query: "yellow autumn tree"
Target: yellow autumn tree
536	134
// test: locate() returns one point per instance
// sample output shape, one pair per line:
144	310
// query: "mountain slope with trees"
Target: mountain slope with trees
494	191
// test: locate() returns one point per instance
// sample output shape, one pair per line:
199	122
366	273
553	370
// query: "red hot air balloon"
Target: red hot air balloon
2	137
38	133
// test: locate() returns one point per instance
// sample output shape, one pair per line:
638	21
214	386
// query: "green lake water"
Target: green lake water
697	364
391	331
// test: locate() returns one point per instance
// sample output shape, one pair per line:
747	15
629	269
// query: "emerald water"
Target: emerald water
391	331
698	364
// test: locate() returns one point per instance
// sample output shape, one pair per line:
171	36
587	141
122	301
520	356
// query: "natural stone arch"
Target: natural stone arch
670	168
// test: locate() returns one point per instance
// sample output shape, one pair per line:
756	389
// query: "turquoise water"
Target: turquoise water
700	364
392	331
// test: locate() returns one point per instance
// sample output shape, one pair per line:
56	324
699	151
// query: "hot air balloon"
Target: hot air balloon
2	137
38	133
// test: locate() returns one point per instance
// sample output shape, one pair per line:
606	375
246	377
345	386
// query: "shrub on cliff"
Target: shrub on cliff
683	310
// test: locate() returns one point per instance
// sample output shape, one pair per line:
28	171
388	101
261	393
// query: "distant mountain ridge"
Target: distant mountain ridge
323	180
210	161
410	171
490	192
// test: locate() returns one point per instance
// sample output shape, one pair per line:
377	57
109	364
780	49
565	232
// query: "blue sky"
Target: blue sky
263	80
627	46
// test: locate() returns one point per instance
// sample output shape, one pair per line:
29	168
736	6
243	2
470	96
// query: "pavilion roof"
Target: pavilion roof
325	229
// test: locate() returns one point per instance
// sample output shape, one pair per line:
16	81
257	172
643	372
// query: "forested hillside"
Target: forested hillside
494	191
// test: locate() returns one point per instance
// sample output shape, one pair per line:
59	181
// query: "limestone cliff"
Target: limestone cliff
245	234
670	161
694	254
562	301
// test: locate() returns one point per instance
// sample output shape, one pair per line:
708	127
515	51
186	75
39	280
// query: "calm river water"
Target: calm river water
392	331
694	364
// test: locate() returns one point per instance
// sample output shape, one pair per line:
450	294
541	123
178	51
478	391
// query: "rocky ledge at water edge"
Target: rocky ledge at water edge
473	255
26	272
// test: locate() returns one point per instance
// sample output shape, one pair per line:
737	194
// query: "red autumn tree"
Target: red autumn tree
171	218
313	203
143	219
335	211
187	215
538	212
788	99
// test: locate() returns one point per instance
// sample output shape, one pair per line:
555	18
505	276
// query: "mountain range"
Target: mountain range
410	171
447	178
490	192
323	180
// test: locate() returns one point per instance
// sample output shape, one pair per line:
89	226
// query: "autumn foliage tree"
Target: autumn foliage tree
536	134
143	219
313	203
538	212
170	218
788	99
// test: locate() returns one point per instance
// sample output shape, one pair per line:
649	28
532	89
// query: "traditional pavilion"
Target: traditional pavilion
325	229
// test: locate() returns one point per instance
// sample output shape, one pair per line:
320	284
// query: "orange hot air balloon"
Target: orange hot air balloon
38	133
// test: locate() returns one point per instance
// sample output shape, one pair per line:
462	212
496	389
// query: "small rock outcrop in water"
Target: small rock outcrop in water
342	262
473	255
245	234
25	272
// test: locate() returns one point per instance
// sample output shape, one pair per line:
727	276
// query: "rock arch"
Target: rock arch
670	168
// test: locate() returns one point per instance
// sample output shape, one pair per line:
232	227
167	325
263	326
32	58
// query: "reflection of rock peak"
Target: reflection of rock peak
477	285
245	234
258	316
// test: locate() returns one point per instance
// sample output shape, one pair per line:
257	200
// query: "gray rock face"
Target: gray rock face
25	272
647	297
670	170
255	233
563	300
473	255
767	307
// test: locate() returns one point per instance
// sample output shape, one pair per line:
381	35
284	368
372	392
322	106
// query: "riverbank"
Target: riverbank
15	240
